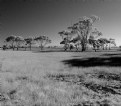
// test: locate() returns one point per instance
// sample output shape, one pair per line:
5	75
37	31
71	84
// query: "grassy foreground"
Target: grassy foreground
60	78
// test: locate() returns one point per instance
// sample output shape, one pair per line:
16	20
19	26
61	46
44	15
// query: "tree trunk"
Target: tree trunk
109	46
83	48
94	46
41	47
103	47
12	46
30	46
65	48
84	44
106	47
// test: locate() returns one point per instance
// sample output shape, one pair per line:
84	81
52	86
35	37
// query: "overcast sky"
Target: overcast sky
48	17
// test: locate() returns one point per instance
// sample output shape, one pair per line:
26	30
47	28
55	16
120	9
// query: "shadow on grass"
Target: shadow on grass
49	51
94	61
115	54
113	88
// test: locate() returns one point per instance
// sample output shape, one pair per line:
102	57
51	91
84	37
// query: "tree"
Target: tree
95	43
93	39
76	42
104	42
11	40
83	29
29	41
112	41
42	41
19	40
66	38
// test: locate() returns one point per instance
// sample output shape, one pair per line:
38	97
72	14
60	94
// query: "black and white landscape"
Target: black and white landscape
60	53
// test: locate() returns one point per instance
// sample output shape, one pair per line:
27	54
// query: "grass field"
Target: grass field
33	78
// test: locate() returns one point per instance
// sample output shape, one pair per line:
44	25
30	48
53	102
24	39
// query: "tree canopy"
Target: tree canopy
83	29
42	41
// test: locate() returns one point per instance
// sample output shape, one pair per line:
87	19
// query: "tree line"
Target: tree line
79	35
19	41
83	33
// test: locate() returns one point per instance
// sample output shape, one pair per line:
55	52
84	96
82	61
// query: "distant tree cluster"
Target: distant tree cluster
42	41
20	42
80	35
84	33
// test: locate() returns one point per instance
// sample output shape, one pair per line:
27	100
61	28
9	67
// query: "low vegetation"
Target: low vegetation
44	79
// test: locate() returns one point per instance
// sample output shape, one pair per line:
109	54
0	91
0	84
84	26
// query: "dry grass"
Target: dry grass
42	79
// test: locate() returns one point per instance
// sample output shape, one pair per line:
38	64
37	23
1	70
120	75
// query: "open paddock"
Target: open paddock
36	78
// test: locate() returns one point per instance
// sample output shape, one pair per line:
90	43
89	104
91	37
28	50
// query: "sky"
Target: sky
29	18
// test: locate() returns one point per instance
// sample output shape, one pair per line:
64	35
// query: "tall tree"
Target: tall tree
42	41
66	38
11	41
104	42
112	41
83	28
19	40
29	41
95	43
